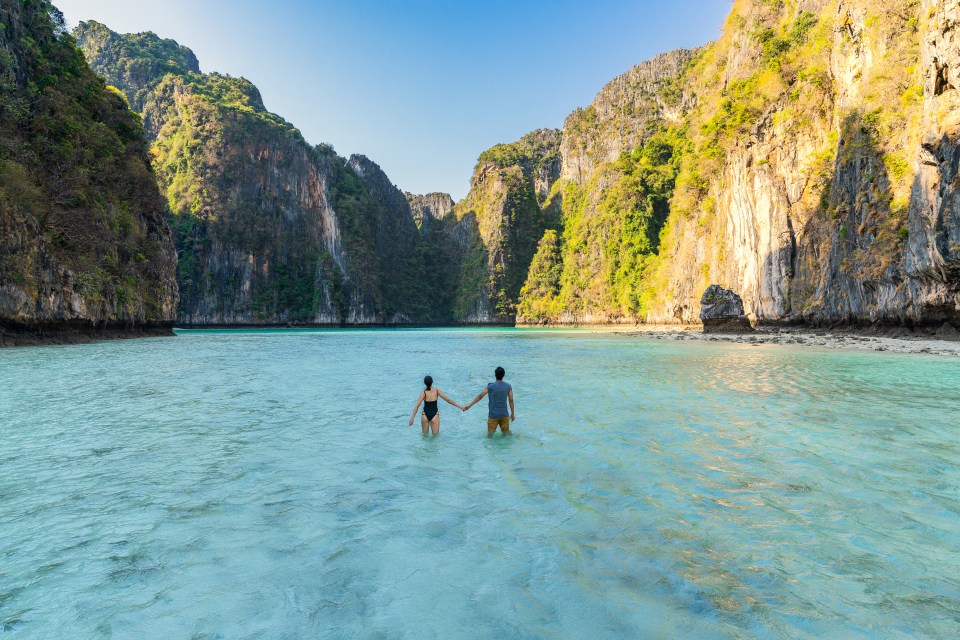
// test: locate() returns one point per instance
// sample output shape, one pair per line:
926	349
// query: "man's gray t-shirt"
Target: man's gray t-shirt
497	394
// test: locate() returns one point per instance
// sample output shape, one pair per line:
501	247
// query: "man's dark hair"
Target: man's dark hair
499	373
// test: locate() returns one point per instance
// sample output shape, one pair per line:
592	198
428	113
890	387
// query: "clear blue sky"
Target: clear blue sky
421	87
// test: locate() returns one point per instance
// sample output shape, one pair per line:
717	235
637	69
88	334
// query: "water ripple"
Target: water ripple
266	485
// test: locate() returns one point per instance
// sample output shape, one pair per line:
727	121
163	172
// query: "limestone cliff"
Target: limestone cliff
84	246
805	160
427	209
397	242
619	162
135	62
824	196
932	261
443	243
626	112
500	222
269	229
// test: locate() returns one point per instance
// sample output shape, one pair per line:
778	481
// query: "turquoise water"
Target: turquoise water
266	485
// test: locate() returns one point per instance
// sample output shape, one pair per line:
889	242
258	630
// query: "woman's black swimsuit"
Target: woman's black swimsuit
430	408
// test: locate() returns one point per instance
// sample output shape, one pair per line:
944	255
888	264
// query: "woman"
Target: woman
430	418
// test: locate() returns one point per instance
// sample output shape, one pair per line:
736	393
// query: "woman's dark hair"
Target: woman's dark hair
428	381
499	372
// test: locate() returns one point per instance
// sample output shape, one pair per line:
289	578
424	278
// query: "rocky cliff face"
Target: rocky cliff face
427	209
135	62
410	294
932	261
84	247
269	229
827	196
500	223
804	160
444	241
618	163
625	113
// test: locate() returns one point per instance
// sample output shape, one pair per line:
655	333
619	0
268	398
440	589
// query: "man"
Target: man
499	394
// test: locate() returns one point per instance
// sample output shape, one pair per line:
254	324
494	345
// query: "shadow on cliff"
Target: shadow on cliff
933	244
471	300
845	265
441	261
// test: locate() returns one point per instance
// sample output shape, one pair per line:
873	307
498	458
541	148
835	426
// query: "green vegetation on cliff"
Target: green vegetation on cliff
832	99
508	217
539	297
783	161
775	160
611	234
269	229
134	62
80	215
532	152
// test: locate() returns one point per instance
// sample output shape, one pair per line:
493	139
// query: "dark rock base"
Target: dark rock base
14	334
728	325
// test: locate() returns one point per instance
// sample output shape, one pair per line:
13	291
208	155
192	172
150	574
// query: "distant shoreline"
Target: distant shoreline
893	339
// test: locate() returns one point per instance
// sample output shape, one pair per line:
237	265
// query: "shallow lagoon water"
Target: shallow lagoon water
265	484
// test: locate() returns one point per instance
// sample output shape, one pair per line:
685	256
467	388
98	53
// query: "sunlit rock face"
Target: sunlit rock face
814	153
836	205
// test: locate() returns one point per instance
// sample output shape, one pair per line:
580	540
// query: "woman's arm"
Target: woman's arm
477	399
444	396
419	400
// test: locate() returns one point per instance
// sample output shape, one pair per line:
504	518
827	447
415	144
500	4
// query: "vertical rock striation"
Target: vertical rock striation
625	113
826	204
806	159
933	239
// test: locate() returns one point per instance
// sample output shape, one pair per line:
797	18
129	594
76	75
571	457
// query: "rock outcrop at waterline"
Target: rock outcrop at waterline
721	311
84	248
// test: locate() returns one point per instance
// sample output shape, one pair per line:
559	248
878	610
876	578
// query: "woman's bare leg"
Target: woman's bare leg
435	424
424	425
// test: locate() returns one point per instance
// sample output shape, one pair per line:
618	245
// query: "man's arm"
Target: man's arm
477	399
513	415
